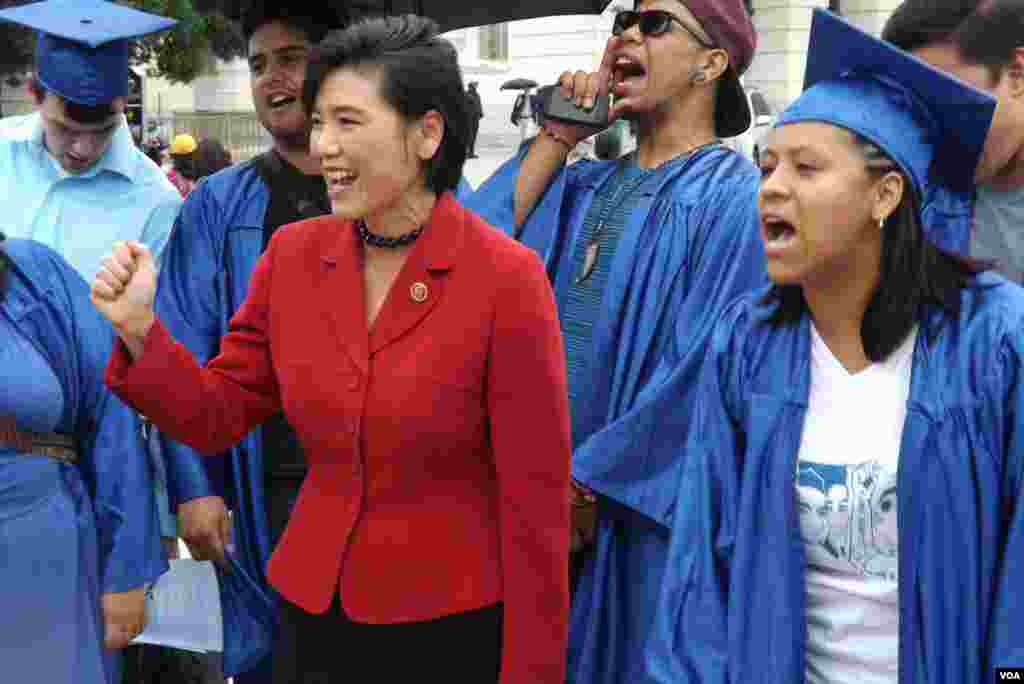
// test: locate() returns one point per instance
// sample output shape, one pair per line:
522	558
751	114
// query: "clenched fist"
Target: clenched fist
123	291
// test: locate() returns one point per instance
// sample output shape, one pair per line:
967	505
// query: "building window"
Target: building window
494	42
835	6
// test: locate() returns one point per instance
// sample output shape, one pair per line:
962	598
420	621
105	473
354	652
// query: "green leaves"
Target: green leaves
179	55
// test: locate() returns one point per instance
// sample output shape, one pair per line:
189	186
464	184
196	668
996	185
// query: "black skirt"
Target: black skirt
332	649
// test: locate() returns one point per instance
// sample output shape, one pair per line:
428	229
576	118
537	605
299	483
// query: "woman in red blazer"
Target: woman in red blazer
417	353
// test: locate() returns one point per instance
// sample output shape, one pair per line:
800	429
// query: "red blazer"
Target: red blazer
438	442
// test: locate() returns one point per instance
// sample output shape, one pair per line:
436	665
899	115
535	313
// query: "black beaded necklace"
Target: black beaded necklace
375	240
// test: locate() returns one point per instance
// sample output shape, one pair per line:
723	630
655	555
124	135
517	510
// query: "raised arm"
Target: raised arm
689	639
208	408
552	145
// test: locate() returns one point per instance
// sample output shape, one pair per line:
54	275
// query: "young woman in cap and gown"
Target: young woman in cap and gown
852	504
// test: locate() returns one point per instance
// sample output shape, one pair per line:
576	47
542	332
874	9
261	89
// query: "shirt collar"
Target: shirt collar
119	157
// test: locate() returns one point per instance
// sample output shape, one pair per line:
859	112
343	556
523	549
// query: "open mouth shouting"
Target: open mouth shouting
627	72
776	232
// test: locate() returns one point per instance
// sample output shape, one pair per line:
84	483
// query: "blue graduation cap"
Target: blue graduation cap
82	46
931	124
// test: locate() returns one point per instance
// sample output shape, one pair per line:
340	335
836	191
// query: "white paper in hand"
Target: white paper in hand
183	609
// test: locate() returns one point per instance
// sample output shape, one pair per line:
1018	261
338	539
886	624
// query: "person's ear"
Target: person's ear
888	195
430	134
712	65
1014	73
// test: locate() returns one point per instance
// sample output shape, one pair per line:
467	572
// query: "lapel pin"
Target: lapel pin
419	292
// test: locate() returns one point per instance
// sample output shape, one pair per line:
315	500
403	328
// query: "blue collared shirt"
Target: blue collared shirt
123	196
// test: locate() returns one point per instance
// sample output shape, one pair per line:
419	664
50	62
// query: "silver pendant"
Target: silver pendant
589	261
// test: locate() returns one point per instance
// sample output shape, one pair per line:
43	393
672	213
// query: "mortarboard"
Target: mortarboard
931	124
82	46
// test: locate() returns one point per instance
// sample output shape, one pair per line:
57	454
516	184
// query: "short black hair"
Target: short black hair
210	157
985	32
914	272
304	17
418	71
185	165
154	153
84	114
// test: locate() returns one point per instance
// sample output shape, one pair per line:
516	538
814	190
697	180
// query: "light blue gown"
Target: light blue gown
50	626
68	533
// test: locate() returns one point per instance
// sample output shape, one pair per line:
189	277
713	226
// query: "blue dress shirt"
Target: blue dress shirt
123	196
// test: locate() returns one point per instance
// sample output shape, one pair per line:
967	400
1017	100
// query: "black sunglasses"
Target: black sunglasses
651	23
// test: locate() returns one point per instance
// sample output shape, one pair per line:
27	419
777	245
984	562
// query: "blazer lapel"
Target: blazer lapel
341	291
421	282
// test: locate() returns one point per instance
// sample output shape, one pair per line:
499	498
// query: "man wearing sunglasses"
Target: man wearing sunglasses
644	253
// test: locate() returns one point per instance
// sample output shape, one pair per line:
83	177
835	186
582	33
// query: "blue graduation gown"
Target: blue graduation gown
204	278
949	217
732	605
117	548
690	246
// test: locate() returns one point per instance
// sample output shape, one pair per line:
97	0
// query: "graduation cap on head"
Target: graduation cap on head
928	122
82	47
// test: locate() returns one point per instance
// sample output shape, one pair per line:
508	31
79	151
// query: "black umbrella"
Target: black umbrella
450	14
454	14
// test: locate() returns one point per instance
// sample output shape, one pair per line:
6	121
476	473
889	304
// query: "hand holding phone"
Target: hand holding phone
580	103
561	108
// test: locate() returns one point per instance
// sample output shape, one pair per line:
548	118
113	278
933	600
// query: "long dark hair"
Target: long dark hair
914	272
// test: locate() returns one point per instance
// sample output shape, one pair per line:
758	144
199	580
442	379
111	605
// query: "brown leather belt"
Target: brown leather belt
52	444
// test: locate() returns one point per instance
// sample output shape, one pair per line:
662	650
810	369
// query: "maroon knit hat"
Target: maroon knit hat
728	25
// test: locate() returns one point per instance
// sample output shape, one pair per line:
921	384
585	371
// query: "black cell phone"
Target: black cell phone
561	108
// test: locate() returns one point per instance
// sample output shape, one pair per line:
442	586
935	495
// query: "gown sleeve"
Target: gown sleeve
209	408
494	201
187	303
689	642
635	458
1007	644
113	459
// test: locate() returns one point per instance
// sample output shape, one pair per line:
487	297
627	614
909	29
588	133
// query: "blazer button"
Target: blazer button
353	384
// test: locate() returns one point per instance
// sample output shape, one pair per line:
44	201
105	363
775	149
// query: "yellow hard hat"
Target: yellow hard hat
183	144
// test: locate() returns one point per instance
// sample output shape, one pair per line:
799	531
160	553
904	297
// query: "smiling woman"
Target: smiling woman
408	343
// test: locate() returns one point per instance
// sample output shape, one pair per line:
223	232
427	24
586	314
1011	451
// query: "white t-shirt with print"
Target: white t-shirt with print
846	494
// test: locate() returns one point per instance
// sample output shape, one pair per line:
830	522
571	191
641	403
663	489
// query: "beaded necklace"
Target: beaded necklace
375	240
